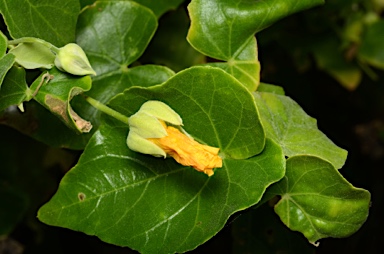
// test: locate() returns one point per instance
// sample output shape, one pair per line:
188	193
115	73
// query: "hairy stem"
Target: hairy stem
34	40
107	110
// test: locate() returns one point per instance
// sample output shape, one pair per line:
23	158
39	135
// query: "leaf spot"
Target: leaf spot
81	196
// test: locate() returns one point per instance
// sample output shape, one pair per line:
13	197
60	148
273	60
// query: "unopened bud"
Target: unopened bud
72	59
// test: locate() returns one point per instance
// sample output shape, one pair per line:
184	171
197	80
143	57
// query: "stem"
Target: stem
107	110
34	40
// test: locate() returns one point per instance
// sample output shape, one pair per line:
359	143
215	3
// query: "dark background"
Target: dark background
354	120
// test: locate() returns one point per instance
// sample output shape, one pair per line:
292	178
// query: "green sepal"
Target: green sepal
33	56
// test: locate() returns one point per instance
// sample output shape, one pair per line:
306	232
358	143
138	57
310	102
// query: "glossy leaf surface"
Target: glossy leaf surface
114	34
50	20
317	201
221	29
158	202
296	132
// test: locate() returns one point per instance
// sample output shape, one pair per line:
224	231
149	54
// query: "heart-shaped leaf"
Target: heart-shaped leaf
221	28
55	89
50	20
296	132
14	90
157	202
149	204
317	201
225	30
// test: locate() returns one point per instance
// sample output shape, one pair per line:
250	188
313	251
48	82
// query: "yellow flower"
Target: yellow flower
150	134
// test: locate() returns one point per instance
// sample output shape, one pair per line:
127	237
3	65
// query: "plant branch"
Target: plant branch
107	110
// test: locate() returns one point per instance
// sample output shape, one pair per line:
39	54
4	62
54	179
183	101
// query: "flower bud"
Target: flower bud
149	134
72	59
146	124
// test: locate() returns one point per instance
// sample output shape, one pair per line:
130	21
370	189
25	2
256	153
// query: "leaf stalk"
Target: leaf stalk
107	110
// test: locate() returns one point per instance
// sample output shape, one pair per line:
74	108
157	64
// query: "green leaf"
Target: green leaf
260	229
371	48
296	132
221	28
151	204
244	66
33	56
6	63
14	90
3	44
225	30
317	201
114	34
55	93
207	96
330	58
169	46
50	20
268	88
